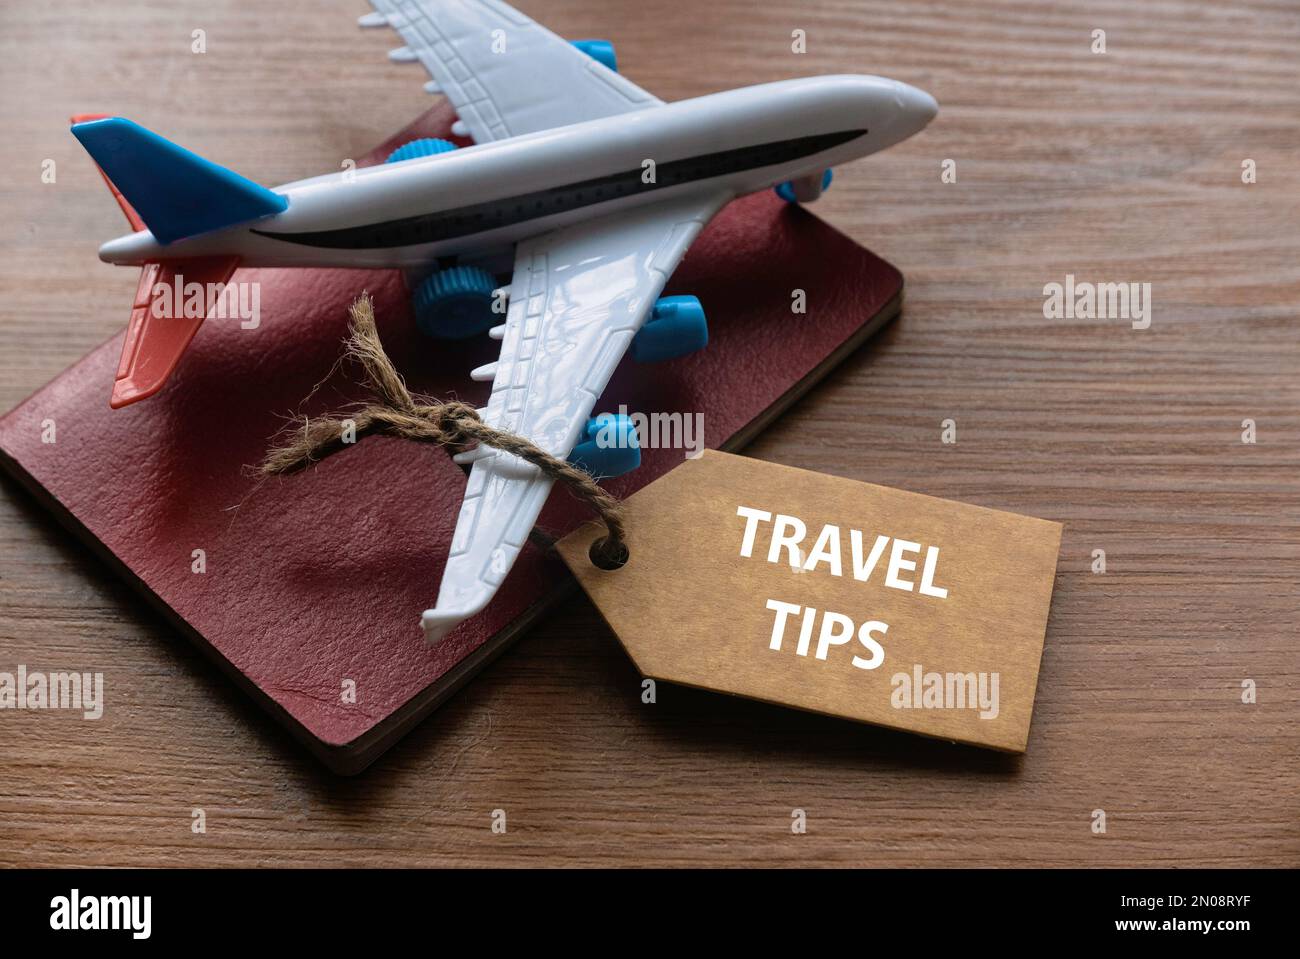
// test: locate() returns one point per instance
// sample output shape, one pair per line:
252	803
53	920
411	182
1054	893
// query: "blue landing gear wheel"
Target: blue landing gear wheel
602	51
456	303
676	327
420	148
610	446
786	190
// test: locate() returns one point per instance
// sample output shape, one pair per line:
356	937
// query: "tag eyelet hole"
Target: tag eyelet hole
602	558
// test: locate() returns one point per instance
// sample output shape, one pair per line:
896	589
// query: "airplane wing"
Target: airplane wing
504	74
577	297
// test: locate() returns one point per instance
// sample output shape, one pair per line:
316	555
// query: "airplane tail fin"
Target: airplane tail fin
154	343
171	191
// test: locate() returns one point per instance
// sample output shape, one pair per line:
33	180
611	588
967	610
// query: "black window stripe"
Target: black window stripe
494	214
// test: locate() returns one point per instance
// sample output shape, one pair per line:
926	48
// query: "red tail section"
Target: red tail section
154	344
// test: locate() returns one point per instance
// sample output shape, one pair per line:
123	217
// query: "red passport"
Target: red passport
316	581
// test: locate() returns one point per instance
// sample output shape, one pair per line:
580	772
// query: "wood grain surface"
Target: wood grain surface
1116	167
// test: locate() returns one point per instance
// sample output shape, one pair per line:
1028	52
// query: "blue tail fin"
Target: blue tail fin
177	193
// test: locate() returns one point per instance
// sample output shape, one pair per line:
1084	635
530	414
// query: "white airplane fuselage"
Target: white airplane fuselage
492	195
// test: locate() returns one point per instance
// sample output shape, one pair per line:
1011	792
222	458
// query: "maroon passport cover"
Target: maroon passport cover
319	578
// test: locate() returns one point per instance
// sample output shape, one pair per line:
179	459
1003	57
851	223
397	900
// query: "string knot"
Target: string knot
457	424
395	411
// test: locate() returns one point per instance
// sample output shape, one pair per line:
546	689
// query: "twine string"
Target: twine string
396	411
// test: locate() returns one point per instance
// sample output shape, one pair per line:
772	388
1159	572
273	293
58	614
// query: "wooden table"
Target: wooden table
1117	167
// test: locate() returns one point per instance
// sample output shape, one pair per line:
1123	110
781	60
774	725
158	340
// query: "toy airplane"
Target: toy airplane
597	187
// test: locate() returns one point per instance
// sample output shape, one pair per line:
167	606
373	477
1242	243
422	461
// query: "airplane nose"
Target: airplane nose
917	105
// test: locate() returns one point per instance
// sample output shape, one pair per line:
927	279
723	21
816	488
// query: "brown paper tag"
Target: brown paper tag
831	595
